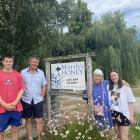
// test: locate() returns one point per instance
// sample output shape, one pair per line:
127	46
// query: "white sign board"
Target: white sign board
68	76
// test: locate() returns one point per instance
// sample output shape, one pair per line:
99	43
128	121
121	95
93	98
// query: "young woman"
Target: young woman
121	104
103	118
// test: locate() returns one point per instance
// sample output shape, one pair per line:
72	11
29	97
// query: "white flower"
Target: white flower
83	136
56	133
86	131
90	127
89	138
77	137
137	128
79	123
43	134
79	134
64	136
61	134
102	134
67	132
82	123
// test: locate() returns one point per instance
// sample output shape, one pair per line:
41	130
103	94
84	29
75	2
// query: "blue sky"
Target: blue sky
130	8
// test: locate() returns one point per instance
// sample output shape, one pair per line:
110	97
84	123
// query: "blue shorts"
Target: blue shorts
12	118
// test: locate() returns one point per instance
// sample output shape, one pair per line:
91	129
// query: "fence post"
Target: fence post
48	96
89	81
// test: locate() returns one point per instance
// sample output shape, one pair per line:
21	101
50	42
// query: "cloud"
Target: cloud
130	8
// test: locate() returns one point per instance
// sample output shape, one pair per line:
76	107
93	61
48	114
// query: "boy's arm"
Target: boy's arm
8	107
20	94
2	103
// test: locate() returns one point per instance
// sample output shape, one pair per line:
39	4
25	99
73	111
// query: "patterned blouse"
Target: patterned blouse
100	97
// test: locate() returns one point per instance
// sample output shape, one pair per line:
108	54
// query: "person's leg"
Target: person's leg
27	114
115	123
15	133
124	132
1	136
4	123
39	126
15	121
118	132
38	115
29	128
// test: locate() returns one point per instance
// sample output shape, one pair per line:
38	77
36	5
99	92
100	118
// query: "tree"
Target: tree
108	59
81	18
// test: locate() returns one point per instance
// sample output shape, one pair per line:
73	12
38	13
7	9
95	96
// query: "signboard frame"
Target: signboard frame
68	76
87	57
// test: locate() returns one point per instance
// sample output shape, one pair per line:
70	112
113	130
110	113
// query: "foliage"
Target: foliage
38	27
80	18
74	131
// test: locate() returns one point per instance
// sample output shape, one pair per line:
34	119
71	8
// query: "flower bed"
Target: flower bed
75	123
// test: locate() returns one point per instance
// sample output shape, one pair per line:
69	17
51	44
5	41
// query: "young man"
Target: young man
32	100
11	91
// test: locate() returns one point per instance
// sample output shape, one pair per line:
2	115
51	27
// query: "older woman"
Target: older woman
103	118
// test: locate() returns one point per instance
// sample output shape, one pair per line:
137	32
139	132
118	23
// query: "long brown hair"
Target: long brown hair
111	84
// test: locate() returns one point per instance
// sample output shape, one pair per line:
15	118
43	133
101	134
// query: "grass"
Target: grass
134	131
135	134
136	92
74	131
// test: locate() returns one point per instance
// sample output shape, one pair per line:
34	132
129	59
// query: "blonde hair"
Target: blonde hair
98	72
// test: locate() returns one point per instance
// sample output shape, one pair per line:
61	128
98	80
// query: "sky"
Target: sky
130	8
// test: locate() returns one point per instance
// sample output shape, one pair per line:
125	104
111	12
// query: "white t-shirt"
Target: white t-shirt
119	99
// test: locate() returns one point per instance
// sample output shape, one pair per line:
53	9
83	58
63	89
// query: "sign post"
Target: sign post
66	77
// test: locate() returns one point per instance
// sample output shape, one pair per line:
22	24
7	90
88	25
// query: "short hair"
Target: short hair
8	55
98	72
34	56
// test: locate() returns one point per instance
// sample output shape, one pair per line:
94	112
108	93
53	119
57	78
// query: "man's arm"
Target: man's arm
44	86
43	90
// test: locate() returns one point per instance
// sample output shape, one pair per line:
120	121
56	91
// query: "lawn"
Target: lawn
134	133
136	92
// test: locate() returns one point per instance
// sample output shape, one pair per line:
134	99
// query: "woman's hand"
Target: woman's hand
131	120
98	109
125	83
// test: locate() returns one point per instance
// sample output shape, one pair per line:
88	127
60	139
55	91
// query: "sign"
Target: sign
68	76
